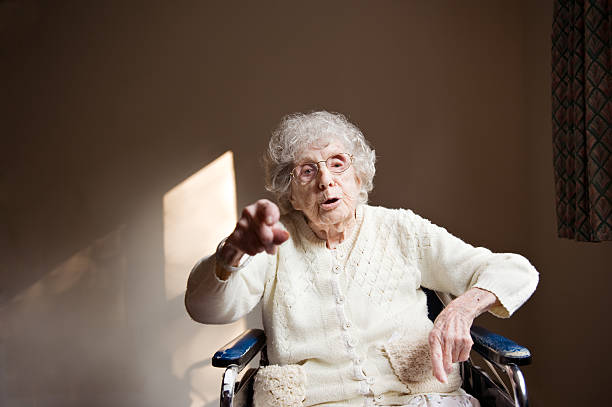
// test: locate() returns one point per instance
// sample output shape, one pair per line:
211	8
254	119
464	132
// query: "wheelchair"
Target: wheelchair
483	381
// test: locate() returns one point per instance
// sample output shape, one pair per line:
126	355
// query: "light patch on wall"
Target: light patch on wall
198	213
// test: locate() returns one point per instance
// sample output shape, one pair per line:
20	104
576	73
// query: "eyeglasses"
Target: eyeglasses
336	164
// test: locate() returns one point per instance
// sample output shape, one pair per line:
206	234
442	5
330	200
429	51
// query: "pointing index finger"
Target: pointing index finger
268	212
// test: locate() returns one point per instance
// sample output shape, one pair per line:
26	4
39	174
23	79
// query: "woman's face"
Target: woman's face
329	199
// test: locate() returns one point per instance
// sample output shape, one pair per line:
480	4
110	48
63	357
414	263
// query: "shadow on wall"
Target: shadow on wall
93	331
62	333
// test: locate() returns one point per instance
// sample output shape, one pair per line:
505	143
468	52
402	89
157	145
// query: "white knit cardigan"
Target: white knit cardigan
351	323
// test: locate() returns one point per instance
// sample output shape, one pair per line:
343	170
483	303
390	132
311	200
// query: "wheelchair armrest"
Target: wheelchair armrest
499	349
241	350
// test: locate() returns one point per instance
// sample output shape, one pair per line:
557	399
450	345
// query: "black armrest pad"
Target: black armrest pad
497	348
241	350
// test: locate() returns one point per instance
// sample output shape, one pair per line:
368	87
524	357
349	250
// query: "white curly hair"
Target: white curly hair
297	133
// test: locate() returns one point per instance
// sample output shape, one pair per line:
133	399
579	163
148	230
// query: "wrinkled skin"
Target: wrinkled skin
310	198
450	340
334	223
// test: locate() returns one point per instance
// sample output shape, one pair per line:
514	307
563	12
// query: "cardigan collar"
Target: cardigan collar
308	236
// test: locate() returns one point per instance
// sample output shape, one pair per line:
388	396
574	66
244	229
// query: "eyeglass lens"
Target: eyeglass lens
336	164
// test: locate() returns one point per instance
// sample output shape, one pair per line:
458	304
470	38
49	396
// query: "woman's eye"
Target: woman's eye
336	163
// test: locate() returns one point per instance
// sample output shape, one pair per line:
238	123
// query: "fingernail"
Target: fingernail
269	220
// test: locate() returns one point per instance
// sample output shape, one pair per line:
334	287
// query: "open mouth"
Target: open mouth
330	204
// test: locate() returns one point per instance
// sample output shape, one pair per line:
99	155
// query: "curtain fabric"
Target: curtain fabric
582	118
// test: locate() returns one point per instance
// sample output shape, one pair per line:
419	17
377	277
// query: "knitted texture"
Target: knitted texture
279	386
333	312
411	360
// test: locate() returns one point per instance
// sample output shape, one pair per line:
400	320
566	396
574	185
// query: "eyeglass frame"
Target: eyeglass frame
316	164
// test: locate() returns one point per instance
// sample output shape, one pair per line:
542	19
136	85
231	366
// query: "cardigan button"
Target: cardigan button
379	398
340	299
336	269
347	325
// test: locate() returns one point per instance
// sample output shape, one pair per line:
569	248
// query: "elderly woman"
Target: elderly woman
340	281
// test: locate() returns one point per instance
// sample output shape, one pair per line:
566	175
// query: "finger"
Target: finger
239	237
436	359
464	344
247	219
447	348
457	351
261	237
264	233
251	241
457	347
267	212
280	236
244	237
259	232
250	212
465	352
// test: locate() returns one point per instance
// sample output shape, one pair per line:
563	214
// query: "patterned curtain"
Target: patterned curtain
582	118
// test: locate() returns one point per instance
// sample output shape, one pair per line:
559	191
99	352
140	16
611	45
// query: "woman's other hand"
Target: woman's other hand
256	231
450	340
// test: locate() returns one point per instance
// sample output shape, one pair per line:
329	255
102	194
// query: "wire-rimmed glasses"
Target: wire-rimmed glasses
336	164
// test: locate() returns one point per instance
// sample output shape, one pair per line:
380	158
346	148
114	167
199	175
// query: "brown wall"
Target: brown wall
569	315
106	107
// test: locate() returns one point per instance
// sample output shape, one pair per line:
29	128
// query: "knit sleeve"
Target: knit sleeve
213	301
450	265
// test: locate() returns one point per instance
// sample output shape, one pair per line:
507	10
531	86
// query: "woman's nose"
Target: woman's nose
326	179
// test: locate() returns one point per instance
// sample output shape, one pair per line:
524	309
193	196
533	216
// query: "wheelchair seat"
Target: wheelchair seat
499	355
